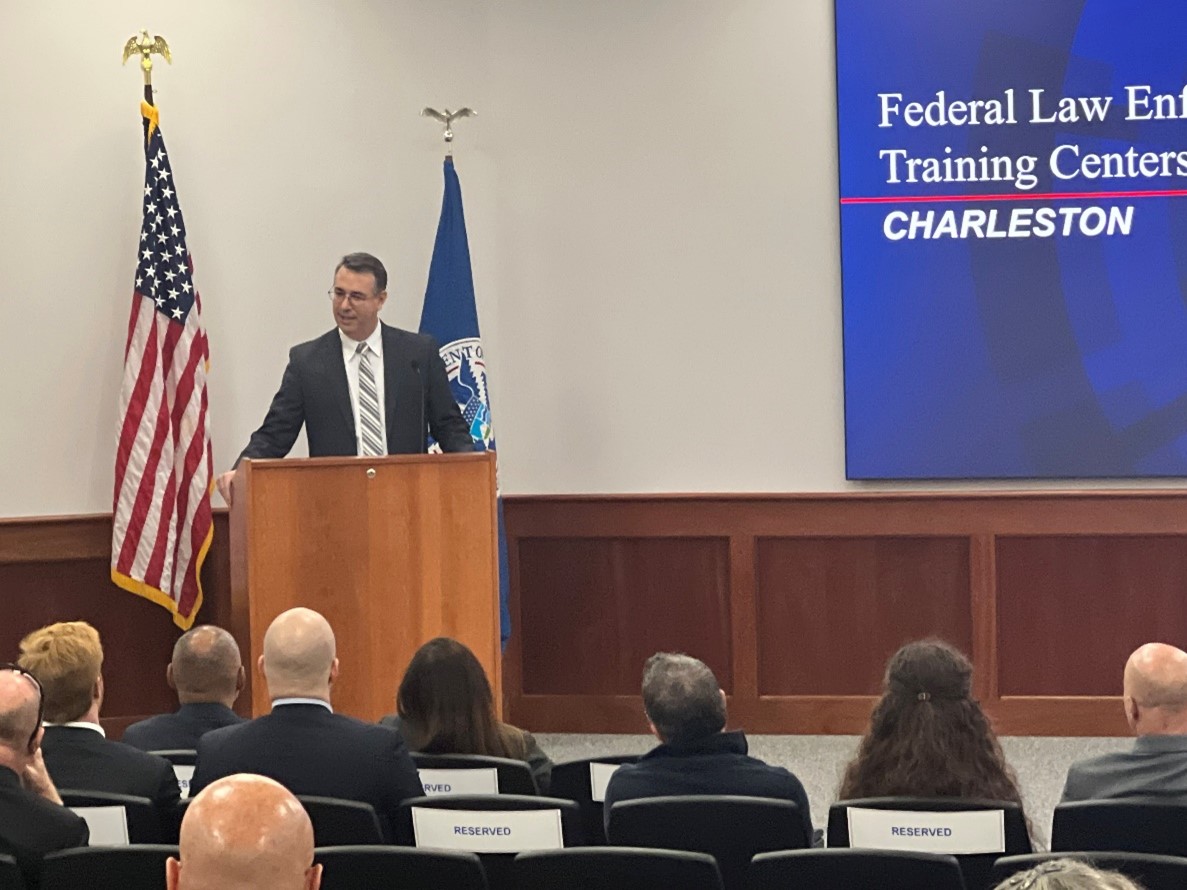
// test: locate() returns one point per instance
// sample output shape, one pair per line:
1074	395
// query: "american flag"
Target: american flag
163	464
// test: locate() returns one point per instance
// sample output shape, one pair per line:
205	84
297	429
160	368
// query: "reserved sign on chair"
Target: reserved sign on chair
459	781
959	833
487	831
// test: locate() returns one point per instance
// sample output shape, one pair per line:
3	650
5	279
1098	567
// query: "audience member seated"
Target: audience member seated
33	821
686	711
1067	874
241	833
302	743
207	673
1155	699
928	737
445	706
67	659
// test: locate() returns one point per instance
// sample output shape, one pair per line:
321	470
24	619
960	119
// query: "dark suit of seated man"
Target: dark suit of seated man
686	711
302	743
67	658
33	821
207	672
1154	689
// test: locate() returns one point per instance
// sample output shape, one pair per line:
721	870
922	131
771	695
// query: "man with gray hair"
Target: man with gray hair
686	711
1154	688
33	821
207	673
302	743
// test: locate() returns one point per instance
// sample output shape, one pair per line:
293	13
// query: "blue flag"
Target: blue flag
451	316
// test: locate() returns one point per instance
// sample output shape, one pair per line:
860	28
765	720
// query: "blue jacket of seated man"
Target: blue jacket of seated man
714	764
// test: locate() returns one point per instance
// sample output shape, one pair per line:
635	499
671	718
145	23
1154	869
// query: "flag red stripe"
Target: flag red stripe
136	404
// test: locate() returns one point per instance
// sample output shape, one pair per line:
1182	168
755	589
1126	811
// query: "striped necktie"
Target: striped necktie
370	428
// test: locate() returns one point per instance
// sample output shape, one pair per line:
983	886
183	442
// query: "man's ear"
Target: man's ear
260	667
35	742
381	297
97	690
313	877
1132	711
172	873
169	677
333	671
240	680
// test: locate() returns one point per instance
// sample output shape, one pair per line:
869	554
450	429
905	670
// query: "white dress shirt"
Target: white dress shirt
352	359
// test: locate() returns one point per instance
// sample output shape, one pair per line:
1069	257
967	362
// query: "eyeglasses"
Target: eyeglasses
16	668
337	295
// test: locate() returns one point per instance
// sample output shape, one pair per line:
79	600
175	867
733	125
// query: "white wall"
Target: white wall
650	190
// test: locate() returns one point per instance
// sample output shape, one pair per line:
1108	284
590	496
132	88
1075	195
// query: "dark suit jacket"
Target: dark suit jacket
181	729
311	751
31	826
1155	767
82	760
538	762
314	392
716	764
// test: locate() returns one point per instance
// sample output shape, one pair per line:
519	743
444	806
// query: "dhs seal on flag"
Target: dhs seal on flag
467	378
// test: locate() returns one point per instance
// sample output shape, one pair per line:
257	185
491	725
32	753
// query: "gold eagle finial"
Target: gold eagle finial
146	46
447	117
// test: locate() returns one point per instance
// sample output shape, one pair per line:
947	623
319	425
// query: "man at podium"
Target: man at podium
364	388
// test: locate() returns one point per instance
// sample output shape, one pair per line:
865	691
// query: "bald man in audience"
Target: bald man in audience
33	821
1155	700
207	673
302	743
241	833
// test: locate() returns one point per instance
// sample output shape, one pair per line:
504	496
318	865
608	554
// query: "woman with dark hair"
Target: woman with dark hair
928	737
445	706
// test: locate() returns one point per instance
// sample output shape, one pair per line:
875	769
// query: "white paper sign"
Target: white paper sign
184	775
958	833
488	831
599	778
108	825
459	781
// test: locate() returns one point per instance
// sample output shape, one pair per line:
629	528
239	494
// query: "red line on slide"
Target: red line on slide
1013	196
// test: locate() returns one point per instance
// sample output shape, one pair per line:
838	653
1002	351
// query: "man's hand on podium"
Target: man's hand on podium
224	485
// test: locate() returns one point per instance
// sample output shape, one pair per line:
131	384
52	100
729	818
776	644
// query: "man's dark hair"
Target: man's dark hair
206	664
365	262
682	698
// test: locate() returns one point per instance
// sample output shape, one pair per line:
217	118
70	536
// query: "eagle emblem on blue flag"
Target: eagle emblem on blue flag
466	368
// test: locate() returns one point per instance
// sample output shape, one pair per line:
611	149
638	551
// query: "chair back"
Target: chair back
730	828
117	819
1134	825
937	825
584	781
139	867
1150	870
398	868
451	774
615	868
844	869
10	874
495	826
342	822
183	761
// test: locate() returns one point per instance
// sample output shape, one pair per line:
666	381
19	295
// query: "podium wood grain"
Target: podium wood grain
393	551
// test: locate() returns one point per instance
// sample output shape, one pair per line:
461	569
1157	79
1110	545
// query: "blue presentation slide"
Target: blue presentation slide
1013	182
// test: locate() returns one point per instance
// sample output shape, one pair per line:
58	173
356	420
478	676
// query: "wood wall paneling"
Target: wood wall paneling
794	600
592	610
832	610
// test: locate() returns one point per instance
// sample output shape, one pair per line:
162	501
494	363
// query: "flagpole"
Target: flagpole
146	47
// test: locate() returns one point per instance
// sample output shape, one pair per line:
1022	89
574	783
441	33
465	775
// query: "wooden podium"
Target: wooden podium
393	551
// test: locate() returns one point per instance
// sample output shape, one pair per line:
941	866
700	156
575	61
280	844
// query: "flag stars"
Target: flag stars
177	312
163	173
167	192
175	230
147	254
172	211
170	274
151	271
185	286
160	302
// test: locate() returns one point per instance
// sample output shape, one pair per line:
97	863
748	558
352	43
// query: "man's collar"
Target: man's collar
1154	744
374	341
79	724
295	700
